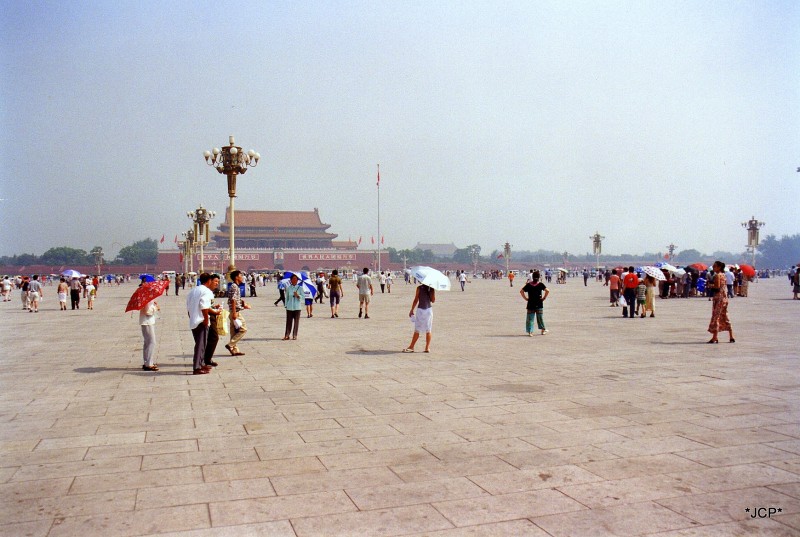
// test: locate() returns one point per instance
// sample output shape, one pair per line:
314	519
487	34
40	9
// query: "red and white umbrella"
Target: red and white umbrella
145	293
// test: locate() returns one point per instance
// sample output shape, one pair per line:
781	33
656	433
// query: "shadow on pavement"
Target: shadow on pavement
129	371
374	352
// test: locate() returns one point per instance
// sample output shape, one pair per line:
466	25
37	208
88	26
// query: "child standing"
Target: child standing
91	292
641	292
537	293
650	297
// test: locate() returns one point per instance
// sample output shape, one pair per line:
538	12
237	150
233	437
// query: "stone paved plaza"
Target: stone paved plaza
604	426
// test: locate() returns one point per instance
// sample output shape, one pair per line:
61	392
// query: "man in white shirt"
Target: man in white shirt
198	305
364	285
34	293
729	278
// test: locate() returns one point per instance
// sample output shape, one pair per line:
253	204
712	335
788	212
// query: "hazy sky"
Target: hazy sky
530	122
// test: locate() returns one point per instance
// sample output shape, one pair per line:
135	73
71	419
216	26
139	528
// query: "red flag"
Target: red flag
359	239
162	239
382	242
379	175
181	257
176	239
500	256
666	256
373	239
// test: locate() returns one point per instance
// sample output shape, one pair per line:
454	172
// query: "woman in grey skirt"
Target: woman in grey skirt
147	319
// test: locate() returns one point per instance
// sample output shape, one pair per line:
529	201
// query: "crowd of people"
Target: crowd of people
634	290
209	320
72	288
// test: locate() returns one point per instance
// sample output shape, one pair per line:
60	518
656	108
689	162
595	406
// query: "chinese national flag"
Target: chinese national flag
176	239
359	240
372	239
181	257
162	239
382	241
500	256
379	175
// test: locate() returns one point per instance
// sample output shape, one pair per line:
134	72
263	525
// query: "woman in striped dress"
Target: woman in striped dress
719	313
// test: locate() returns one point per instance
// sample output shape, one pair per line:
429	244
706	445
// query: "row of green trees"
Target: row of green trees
771	253
139	253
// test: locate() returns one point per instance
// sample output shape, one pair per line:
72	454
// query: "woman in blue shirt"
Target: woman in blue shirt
294	303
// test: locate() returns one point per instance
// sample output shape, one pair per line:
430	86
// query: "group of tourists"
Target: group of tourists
637	295
209	320
634	292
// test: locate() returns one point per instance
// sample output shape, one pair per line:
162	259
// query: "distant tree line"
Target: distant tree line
139	253
779	253
771	253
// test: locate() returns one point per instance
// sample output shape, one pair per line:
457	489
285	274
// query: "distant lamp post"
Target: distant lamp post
189	245
475	253
507	254
671	249
182	250
231	161
752	226
597	247
201	216
98	258
404	258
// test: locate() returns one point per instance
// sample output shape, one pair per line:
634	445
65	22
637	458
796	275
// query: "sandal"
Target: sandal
230	350
153	367
408	350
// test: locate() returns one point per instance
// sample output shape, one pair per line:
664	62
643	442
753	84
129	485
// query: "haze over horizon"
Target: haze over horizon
533	123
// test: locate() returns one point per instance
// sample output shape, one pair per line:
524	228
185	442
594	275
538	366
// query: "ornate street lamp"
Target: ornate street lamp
231	161
752	227
671	249
597	247
201	216
189	244
182	250
507	254
475	254
98	258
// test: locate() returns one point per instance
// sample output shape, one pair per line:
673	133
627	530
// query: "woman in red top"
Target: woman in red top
719	313
613	285
629	283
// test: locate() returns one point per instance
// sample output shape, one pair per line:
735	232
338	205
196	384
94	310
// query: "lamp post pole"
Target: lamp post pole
190	248
182	248
671	249
98	258
231	161
752	227
597	247
201	216
507	254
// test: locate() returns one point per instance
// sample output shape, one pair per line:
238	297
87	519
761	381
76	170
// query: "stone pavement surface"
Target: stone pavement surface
604	426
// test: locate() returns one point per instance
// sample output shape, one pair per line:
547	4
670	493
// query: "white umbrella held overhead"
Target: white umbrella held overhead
666	266
655	273
431	277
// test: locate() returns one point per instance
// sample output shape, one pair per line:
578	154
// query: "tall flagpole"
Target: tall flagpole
379	218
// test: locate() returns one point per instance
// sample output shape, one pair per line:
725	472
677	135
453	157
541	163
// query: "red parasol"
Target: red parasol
144	294
747	270
699	266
